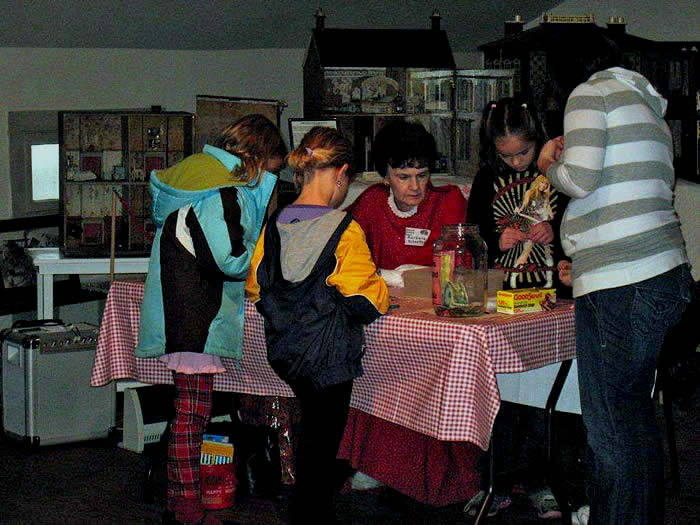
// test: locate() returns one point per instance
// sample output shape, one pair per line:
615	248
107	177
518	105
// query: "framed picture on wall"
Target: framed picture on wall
298	127
216	112
93	231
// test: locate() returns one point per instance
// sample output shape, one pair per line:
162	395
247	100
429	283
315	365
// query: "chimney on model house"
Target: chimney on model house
617	24
435	20
320	19
515	26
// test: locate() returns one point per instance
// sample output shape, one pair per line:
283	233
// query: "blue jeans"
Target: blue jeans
619	334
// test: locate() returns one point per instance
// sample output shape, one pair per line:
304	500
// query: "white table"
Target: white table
51	262
532	388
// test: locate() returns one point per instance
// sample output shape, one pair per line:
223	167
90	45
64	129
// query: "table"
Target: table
437	376
51	262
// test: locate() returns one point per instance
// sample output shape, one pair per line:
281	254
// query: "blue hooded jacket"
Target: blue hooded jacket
206	229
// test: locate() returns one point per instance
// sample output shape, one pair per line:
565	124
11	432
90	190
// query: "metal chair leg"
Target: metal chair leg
553	474
156	458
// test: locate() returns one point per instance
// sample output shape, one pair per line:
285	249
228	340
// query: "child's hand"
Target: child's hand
510	237
565	274
550	153
541	233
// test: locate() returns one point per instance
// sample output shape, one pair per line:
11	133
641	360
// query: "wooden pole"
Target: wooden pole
112	250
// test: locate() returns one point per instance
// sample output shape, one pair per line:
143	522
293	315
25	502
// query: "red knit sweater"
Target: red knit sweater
393	240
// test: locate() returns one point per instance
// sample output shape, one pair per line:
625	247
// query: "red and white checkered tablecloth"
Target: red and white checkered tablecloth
433	375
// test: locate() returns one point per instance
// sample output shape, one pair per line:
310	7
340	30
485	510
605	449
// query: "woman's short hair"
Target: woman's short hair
253	139
403	144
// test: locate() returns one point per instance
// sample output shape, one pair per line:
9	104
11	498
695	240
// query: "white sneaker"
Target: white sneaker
361	481
546	504
580	517
473	506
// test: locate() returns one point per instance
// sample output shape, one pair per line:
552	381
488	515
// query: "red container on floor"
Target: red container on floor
217	486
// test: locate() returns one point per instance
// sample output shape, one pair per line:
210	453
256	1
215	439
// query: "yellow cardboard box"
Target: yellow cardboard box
525	300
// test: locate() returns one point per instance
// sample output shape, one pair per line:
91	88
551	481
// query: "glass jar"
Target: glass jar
460	271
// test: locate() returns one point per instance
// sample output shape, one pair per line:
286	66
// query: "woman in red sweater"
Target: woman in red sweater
404	215
401	219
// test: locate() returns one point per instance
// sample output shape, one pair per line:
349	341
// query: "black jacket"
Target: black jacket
314	326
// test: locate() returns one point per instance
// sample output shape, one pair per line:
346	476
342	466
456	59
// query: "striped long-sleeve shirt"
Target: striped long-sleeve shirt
617	165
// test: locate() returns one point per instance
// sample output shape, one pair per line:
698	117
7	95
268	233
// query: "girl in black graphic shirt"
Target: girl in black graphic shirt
524	244
518	214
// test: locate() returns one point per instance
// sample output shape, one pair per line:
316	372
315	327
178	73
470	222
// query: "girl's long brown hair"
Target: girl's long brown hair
253	139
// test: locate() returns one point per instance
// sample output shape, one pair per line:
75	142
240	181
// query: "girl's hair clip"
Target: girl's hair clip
309	152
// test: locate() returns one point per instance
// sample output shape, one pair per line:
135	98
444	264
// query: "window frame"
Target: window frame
27	128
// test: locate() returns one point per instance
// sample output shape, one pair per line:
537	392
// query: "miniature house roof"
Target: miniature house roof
547	35
419	48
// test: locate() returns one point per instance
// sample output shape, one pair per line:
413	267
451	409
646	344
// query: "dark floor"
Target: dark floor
97	482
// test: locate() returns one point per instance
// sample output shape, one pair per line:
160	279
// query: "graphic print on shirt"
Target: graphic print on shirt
521	201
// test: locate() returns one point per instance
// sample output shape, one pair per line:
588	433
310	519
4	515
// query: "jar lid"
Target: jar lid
460	228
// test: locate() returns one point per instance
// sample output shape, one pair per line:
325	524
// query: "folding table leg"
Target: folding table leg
553	473
486	505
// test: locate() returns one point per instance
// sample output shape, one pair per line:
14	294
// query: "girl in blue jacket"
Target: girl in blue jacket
208	210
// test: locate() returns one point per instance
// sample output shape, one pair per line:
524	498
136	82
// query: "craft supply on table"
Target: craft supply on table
526	300
460	271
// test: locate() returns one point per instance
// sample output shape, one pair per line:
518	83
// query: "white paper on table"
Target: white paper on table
394	278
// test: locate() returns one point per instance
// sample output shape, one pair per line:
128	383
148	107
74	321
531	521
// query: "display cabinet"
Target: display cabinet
430	101
474	88
364	85
398	74
450	104
106	159
362	100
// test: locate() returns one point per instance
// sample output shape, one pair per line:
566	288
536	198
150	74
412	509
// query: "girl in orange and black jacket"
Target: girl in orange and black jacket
313	280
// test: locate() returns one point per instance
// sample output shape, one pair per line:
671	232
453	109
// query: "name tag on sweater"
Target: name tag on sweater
416	236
